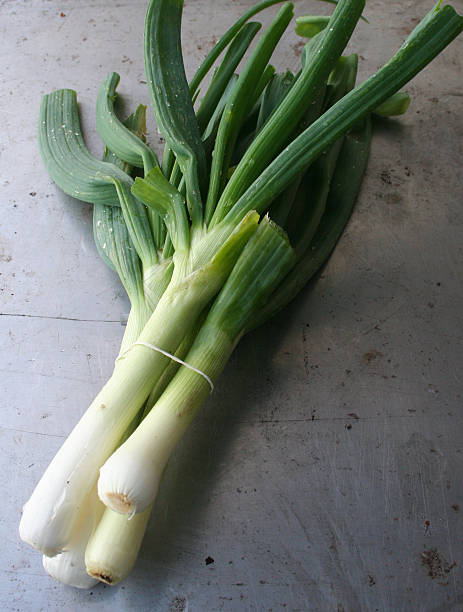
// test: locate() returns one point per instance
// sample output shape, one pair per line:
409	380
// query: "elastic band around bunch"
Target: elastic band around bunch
173	357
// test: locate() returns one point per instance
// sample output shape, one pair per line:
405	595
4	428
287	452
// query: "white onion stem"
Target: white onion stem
113	548
69	566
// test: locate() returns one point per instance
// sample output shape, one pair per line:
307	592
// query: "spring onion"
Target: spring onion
254	189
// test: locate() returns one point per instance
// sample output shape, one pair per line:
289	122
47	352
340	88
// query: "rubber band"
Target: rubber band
173	357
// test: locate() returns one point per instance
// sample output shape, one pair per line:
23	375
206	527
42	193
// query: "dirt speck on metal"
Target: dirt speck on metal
178	604
437	567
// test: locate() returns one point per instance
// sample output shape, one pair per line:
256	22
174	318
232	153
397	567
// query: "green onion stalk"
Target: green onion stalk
143	279
116	249
113	546
115	246
201	263
224	265
130	479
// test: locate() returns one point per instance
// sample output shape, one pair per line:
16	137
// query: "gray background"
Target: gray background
329	460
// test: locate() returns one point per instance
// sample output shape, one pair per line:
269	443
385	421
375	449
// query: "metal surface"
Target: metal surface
325	473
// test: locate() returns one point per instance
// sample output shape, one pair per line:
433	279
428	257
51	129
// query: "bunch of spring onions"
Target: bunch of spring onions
257	181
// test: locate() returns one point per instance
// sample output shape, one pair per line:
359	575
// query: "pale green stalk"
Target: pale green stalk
51	514
129	480
113	548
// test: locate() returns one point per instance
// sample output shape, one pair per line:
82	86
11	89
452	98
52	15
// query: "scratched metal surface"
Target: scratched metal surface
325	472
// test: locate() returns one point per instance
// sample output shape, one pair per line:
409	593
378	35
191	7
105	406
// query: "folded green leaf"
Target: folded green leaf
116	136
138	225
66	156
397	104
112	238
156	191
341	80
310	25
273	94
171	98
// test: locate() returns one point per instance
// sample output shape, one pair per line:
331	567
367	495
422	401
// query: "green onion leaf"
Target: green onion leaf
428	39
344	189
337	2
116	136
240	103
273	94
279	128
397	104
171	98
221	78
310	25
66	156
156	191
